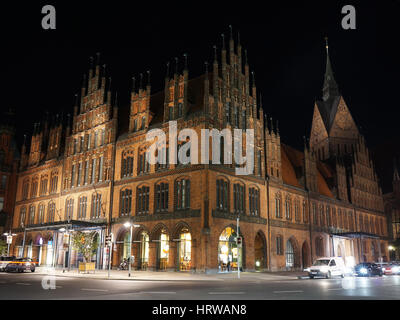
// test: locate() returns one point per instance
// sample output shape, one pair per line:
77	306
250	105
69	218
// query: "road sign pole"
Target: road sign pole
237	245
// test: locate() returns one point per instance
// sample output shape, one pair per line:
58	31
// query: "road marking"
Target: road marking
335	289
289	291
23	283
103	290
219	292
158	292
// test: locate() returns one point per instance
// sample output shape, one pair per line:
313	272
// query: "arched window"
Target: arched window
43	185
51	210
238	198
41	214
31	219
143	163
22	217
125	206
182	193
297	210
314	212
53	182
278	211
289	254
82	207
254	201
69	209
127	164
142	198
305	213
322	216
288	208
96	206
222	195
161	196
34	187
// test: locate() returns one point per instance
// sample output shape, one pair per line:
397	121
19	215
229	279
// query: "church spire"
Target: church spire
330	88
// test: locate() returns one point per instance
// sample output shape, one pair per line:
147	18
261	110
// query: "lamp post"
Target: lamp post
9	236
131	226
62	230
237	246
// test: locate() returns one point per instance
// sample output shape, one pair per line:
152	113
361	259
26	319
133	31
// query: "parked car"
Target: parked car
368	269
327	268
21	265
391	268
4	261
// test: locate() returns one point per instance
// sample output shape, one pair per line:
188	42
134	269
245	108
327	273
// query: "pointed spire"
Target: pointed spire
215	54
167	74
245	57
223	41
116	99
238	34
272	124
330	88
277	126
231	32
186	60
148	78
76	99
98	58
206	67
109	83
141	81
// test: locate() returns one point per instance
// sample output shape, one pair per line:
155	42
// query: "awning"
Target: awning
356	235
71	225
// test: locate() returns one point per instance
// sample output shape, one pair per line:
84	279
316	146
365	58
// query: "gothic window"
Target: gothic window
143	164
41	214
22	217
127	166
101	160
305	213
161	197
103	133
288	209
254	201
43	185
259	162
51	210
95	139
142	198
227	113
79	173
182	193
164	158
238	198
73	176
82	207
96	206
69	209
314	212
53	182
222	195
31	219
75	146
143	122
297	210
34	188
81	144
125	202
322	216
93	171
89	141
334	220
278	211
135	125
328	216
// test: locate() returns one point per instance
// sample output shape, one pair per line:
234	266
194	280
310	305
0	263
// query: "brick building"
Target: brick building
392	210
92	174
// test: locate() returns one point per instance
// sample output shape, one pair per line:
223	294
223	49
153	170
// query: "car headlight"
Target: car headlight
363	270
324	269
383	269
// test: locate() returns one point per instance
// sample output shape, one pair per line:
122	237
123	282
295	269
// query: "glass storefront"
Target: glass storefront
127	246
49	258
164	250
185	250
228	250
144	250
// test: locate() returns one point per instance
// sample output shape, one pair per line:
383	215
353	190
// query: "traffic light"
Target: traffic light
239	241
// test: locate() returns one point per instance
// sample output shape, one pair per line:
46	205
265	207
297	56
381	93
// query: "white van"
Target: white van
327	268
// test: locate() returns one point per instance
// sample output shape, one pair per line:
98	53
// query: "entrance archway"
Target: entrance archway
228	251
144	250
185	250
260	251
292	254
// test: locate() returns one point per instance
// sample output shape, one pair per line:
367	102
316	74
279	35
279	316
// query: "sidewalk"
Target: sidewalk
169	275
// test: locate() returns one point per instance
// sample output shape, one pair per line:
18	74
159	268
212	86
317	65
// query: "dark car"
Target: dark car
21	265
4	261
368	269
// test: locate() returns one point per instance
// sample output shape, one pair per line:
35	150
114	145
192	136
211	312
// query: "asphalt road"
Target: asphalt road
29	286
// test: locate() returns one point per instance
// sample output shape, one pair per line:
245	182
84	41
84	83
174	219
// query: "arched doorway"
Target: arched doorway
260	251
126	250
184	250
163	250
289	255
229	255
305	255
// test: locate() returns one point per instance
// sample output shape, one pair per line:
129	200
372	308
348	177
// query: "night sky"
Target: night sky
43	69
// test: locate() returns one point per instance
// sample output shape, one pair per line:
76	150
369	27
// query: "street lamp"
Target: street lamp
9	236
391	248
131	226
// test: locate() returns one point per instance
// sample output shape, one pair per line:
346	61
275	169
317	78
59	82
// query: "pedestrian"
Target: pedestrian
228	266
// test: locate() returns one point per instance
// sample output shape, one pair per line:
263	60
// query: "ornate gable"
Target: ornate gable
318	129
343	125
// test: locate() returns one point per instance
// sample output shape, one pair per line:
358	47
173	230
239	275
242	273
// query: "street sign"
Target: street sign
9	239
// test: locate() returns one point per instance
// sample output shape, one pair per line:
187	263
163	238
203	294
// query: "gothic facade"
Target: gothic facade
91	174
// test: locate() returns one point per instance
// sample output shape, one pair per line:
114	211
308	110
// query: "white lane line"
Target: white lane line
23	283
158	292
220	292
335	289
102	290
289	291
